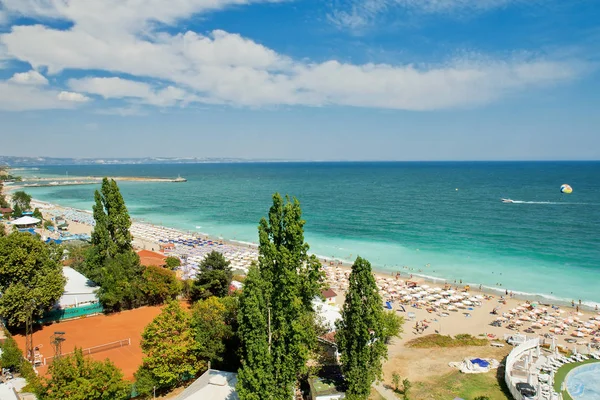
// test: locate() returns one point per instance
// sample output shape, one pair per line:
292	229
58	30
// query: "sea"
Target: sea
441	220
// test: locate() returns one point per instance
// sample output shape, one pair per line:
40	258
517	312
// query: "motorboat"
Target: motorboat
507	201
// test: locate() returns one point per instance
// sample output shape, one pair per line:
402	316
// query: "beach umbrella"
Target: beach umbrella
444	301
467	302
480	297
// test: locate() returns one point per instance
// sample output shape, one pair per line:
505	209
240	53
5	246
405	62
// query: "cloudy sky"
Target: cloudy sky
301	79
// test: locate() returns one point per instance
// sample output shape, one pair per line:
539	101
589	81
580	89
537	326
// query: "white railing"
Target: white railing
515	355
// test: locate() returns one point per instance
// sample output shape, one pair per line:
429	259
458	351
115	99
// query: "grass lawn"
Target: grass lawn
431	341
562	372
457	384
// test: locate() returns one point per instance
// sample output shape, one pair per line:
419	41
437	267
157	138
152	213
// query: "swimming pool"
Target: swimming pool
584	382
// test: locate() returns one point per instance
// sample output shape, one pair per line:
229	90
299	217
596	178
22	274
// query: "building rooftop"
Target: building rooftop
148	257
78	289
214	385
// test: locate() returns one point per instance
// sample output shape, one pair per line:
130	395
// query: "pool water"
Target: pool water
584	382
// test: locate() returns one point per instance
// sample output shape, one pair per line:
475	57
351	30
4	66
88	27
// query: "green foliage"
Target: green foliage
17	211
111	261
435	340
361	333
34	384
396	380
168	343
159	285
276	320
256	377
145	382
2	230
3	202
38	214
31	277
22	200
407	385
213	278
456	384
481	398
75	377
214	323
172	262
392	325
120	282
48	224
11	358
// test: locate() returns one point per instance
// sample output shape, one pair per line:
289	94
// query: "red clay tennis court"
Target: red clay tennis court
107	335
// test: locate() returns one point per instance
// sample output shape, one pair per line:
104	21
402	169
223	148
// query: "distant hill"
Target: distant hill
13	161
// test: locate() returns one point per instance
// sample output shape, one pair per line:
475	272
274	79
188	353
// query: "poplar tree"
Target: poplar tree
278	305
360	335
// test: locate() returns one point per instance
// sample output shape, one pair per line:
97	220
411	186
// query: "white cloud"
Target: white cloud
29	78
72	97
15	97
118	88
358	14
226	68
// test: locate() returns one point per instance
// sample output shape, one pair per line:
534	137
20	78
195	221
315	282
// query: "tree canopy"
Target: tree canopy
172	262
31	277
111	261
22	200
159	284
11	357
360	334
276	319
213	279
75	377
168	343
214	323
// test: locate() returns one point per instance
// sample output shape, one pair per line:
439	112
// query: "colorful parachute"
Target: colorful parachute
566	189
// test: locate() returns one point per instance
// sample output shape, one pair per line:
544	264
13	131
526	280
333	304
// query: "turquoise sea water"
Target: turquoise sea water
441	220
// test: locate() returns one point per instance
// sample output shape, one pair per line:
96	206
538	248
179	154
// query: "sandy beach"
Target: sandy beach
434	302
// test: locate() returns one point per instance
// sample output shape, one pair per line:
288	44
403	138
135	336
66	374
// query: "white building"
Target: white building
79	290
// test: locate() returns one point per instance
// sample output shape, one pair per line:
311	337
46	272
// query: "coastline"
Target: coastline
405	273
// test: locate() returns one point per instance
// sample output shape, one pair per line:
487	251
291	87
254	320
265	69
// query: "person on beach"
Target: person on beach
572	303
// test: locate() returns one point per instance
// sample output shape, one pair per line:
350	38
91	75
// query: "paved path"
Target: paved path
388	394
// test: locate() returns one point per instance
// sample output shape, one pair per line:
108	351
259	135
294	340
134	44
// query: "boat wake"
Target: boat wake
551	202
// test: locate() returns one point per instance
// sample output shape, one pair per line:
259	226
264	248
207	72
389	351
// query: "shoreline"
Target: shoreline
404	274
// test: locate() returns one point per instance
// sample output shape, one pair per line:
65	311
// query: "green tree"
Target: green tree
360	332
11	358
48	225
392	325
38	214
17	211
2	230
168	343
31	277
172	262
120	280
278	305
21	199
75	377
3	202
111	261
214	323
159	284
256	377
145	382
213	279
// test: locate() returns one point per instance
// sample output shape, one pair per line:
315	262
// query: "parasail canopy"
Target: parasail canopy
566	189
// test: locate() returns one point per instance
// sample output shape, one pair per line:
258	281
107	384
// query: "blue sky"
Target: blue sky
303	79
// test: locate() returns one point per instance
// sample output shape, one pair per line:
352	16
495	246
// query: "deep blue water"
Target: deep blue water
447	215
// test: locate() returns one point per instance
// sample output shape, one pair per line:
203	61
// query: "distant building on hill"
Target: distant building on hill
213	385
148	258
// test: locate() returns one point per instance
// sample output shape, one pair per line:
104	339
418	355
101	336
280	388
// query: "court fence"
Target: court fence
95	349
70	313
